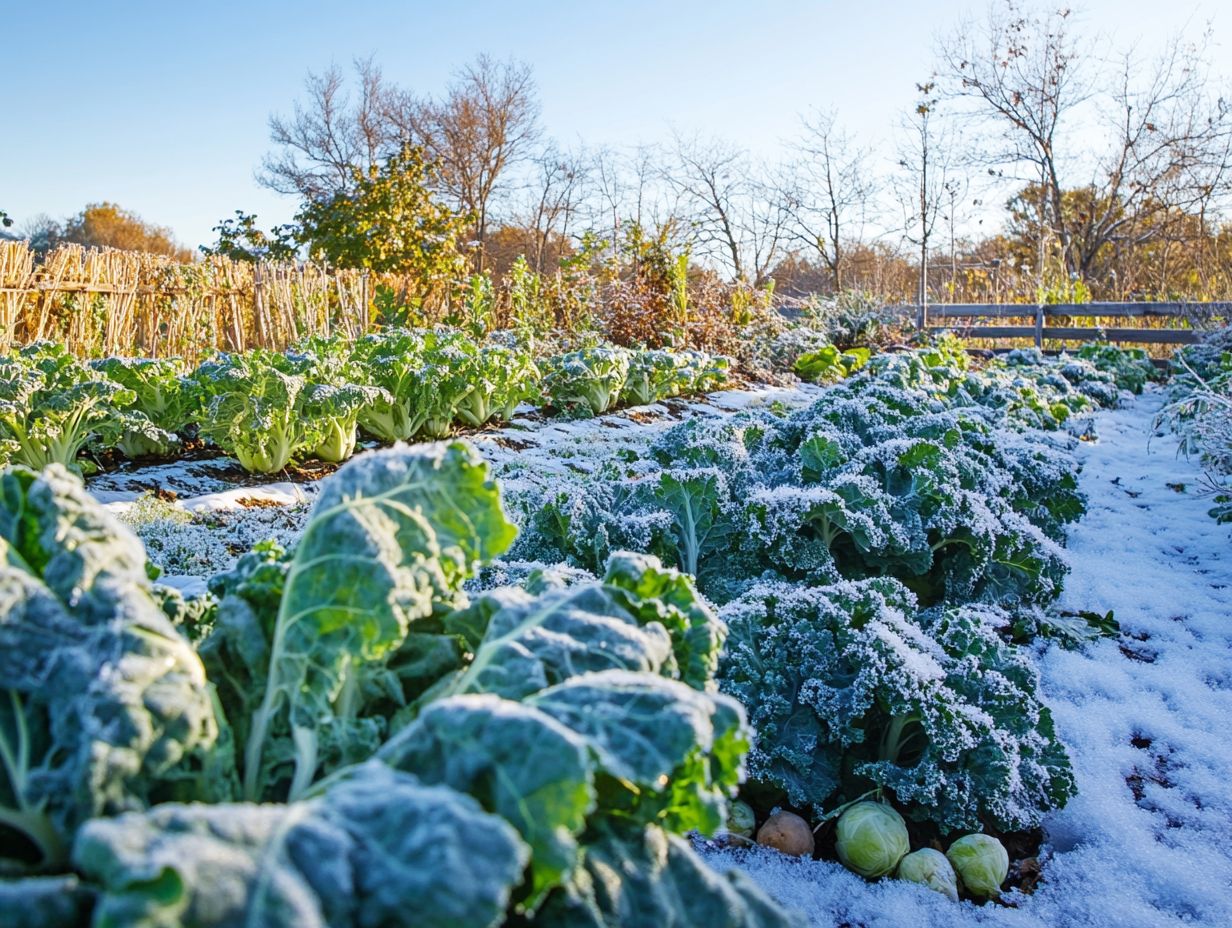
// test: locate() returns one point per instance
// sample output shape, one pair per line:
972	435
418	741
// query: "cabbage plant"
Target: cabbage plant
981	863
931	868
52	405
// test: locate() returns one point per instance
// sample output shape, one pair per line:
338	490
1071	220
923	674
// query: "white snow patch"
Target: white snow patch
283	493
189	586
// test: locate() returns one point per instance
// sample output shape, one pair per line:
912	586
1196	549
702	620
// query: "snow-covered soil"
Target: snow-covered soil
195	518
1148	840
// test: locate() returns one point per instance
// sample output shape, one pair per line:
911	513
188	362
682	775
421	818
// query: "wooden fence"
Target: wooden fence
103	302
1159	323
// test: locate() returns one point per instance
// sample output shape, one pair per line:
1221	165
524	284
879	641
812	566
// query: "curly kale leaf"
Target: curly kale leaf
850	689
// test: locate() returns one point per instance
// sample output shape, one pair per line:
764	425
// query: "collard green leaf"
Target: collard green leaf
391	539
518	762
104	707
657	595
532	642
645	877
671	755
378	848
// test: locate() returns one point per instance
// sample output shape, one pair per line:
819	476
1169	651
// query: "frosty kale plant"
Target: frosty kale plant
851	689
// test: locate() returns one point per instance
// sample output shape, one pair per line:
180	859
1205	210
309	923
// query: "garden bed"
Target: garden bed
1145	841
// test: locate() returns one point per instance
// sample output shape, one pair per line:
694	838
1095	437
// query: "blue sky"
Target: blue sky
162	106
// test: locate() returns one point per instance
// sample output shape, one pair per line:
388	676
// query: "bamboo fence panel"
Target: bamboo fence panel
100	302
16	279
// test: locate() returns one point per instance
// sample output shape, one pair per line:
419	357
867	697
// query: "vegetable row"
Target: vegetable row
268	409
880	559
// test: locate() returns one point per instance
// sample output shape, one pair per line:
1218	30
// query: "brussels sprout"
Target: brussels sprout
788	833
741	820
932	869
872	839
981	864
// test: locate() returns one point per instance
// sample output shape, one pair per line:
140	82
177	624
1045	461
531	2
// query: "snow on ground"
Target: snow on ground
204	521
1147	843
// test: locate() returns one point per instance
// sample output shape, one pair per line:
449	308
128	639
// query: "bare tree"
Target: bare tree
1169	151
735	214
926	181
1165	140
487	122
829	194
1022	73
331	134
557	190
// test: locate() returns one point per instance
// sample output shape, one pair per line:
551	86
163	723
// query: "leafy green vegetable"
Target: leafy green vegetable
499	379
850	689
918	472
670	753
829	364
51	405
517	762
1131	367
378	848
981	863
161	406
871	838
104	707
633	877
390	541
254	409
590	380
529	725
931	868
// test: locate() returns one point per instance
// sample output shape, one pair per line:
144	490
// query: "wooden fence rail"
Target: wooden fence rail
1190	318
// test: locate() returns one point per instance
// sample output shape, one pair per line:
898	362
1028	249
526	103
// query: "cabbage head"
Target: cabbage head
982	864
872	839
932	869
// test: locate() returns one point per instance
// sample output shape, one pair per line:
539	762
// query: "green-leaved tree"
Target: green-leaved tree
390	222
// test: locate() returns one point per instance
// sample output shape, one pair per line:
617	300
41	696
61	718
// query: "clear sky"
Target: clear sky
162	106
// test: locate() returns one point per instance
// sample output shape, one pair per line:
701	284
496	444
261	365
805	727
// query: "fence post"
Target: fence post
258	305
363	303
1039	326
